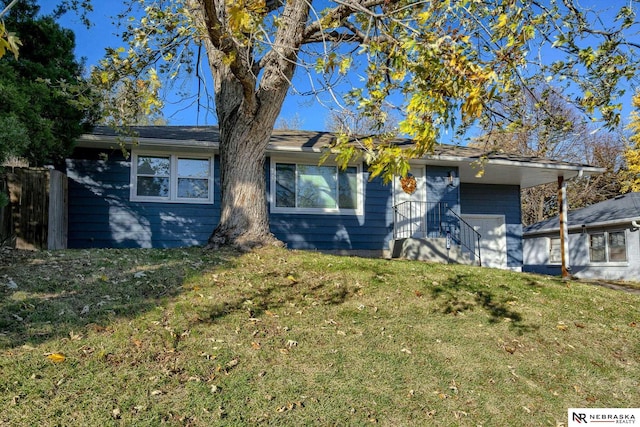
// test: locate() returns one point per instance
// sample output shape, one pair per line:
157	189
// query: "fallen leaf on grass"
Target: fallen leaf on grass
509	349
57	357
561	326
255	345
291	406
292	279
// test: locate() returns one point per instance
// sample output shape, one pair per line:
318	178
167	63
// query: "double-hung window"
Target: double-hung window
309	188
608	246
171	178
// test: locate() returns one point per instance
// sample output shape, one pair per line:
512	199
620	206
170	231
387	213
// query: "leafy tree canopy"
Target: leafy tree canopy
39	115
438	64
632	153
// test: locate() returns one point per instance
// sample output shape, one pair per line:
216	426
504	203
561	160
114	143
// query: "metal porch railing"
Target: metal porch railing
424	220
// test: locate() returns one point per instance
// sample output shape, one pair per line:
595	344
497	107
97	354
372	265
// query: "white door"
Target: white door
493	238
411	208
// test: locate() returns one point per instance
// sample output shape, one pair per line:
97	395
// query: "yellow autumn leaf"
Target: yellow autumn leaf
502	20
57	357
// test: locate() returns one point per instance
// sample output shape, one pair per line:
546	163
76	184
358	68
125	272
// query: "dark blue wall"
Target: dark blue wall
370	231
497	200
101	215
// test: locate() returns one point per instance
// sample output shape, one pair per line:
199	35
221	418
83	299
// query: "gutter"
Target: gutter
635	223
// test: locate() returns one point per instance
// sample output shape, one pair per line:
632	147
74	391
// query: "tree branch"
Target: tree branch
222	41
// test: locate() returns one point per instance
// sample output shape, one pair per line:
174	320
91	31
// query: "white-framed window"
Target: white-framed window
555	254
173	178
312	188
607	246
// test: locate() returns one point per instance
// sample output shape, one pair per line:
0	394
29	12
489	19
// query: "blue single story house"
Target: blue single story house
603	241
165	193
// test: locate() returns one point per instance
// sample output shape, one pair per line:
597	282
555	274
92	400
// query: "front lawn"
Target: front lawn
276	337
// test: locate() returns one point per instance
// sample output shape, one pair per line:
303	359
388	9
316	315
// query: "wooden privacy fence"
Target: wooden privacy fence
36	217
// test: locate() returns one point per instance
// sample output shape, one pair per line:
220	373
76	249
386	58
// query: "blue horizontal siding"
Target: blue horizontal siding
101	214
370	231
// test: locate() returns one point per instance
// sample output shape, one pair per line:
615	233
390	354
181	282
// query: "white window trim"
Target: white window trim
551	262
606	249
331	211
173	178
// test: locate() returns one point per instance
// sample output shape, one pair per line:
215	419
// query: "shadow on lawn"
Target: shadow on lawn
50	295
277	291
463	293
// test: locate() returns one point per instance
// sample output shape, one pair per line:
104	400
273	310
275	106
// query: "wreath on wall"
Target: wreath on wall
408	184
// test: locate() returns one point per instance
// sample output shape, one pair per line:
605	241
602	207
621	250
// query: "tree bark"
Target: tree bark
248	101
244	220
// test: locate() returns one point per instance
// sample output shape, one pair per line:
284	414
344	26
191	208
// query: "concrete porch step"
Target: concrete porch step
432	249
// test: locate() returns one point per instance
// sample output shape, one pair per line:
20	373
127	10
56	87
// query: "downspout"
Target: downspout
564	226
635	223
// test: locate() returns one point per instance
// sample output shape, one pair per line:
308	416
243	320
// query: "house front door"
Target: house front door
493	238
410	206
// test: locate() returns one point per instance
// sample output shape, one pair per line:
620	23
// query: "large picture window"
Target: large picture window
607	246
171	178
313	188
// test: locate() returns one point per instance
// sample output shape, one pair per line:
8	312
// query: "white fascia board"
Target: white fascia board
623	221
503	162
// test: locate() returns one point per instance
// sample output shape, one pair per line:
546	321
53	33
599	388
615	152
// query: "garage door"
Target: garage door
493	238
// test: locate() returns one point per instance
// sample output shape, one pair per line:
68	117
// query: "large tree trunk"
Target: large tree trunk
244	220
248	98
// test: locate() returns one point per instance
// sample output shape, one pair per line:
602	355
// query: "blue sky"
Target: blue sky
90	44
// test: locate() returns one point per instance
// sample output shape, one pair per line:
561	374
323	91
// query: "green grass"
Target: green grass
276	337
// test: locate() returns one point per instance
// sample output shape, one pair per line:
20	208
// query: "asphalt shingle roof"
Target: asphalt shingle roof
622	208
315	141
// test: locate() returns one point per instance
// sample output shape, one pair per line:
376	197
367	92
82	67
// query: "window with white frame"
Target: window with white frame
171	178
308	188
555	255
608	246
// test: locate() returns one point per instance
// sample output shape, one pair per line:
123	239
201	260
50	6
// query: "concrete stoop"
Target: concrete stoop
433	250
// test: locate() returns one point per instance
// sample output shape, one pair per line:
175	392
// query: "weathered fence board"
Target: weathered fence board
38	208
6	229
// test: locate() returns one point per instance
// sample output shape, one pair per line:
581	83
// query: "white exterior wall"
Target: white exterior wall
536	257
